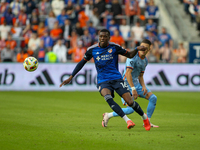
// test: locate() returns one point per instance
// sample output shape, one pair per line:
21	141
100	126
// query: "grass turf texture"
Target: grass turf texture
72	121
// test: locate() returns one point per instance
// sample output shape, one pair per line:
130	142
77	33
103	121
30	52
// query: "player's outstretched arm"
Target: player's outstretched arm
131	54
78	67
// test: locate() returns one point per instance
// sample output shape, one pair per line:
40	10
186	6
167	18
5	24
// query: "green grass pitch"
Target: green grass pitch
72	121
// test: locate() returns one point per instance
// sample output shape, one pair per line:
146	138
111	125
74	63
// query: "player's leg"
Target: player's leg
123	90
151	106
106	93
138	109
152	101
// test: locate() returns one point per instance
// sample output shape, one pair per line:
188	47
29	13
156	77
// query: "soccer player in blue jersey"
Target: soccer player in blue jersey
133	77
109	79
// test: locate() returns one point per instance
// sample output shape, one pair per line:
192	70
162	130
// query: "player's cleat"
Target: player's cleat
105	120
147	124
130	124
153	126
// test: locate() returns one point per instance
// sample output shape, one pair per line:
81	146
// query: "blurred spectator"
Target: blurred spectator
165	37
22	17
34	20
67	30
186	5
56	32
181	53
125	30
151	37
11	42
151	26
3	6
92	30
62	17
116	8
44	7
152	11
9	17
94	18
16	6
132	9
48	41
137	33
61	51
33	43
193	9
57	6
41	29
39	53
78	29
50	20
86	38
21	56
77	52
117	38
166	53
153	55
73	40
112	26
2	44
70	11
4	30
99	6
143	4
16	31
27	35
29	6
50	57
7	55
82	17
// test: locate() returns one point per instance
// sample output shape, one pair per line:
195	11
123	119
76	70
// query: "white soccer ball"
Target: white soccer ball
30	64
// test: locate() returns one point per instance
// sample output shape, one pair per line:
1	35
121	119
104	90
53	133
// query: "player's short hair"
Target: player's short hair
146	41
105	30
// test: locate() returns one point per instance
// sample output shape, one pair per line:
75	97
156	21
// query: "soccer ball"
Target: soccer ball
30	64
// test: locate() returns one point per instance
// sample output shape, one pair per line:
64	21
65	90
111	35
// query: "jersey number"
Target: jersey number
124	85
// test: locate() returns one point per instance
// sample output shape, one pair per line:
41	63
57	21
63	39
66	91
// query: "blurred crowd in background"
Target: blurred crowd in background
62	30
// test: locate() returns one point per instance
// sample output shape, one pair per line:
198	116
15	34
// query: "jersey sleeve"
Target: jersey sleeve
120	50
146	60
88	55
130	62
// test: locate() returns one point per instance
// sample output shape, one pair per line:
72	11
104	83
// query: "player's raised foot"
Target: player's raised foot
147	124
105	120
130	124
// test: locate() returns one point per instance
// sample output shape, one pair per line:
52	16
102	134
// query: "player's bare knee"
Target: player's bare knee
130	102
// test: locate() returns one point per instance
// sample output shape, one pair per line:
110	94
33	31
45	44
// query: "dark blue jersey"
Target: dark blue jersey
106	61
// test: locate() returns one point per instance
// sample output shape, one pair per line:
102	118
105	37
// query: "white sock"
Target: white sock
144	116
110	115
126	118
149	119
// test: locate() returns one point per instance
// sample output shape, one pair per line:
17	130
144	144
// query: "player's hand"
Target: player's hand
145	90
141	48
66	81
135	95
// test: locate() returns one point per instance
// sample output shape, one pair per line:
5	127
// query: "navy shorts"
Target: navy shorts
114	85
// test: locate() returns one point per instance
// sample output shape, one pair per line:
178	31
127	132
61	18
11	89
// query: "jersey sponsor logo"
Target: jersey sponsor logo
157	82
97	53
98	58
110	50
40	79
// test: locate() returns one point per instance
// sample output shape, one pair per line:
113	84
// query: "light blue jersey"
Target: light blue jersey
138	65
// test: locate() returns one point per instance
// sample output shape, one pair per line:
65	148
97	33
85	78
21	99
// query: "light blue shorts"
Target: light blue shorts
139	91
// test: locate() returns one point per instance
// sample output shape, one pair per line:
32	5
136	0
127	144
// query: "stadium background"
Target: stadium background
59	32
37	114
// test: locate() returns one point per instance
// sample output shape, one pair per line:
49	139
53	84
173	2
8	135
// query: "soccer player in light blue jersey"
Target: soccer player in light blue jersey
133	77
109	79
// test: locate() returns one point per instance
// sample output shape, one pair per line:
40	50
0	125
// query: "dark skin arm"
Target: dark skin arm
134	52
